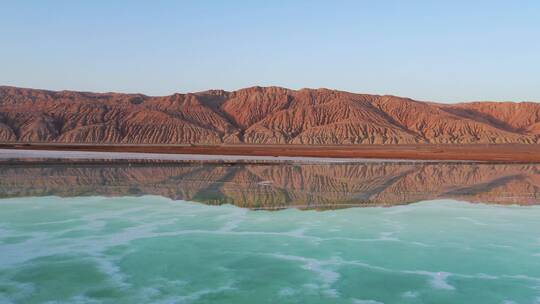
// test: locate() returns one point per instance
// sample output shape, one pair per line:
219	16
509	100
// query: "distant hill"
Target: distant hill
262	115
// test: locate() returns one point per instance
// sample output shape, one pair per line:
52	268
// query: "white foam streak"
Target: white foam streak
326	276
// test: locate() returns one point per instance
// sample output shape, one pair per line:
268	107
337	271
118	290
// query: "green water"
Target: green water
151	249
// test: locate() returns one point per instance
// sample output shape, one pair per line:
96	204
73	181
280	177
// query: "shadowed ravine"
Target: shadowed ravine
307	186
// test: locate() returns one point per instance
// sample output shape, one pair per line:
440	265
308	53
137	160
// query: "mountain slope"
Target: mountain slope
270	115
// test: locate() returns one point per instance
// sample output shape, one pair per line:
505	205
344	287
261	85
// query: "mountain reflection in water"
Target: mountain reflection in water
276	186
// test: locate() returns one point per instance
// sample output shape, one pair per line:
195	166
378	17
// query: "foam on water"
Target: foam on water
153	250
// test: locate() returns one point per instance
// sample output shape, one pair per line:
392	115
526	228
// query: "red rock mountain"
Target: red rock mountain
269	115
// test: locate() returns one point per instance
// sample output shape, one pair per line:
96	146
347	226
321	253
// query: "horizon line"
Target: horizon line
263	87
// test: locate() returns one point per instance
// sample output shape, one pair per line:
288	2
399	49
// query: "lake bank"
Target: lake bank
260	153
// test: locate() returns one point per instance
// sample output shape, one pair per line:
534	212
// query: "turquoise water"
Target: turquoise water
152	249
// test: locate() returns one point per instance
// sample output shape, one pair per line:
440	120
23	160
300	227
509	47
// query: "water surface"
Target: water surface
183	234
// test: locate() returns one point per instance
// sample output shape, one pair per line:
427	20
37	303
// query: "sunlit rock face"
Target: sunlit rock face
276	186
269	115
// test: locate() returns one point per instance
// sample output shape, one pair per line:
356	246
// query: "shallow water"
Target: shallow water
121	248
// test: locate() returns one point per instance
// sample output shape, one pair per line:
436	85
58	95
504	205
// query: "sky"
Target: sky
446	51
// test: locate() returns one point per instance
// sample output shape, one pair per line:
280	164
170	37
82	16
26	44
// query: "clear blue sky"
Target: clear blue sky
430	50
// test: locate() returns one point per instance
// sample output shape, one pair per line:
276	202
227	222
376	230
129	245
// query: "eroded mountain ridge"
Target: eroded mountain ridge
258	115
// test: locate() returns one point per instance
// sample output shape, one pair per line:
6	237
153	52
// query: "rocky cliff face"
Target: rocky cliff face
280	186
258	115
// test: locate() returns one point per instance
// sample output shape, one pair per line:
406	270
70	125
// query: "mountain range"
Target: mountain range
259	115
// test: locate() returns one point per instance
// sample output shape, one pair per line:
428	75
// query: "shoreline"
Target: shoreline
499	153
20	156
